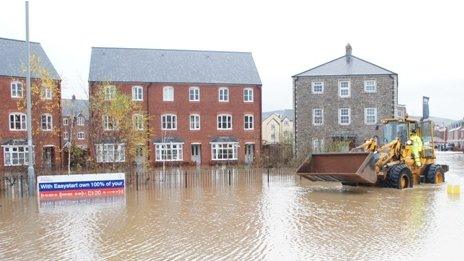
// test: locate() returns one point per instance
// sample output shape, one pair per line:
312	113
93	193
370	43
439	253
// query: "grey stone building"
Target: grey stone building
341	100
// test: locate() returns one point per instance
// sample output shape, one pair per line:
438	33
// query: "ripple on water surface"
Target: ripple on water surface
283	219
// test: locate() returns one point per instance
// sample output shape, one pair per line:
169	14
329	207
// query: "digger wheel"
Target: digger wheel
435	174
400	177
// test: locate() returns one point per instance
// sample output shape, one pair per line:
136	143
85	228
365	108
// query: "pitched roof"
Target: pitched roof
287	113
13	58
79	107
341	66
172	66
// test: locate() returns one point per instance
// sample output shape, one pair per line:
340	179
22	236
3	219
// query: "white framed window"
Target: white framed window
46	93
370	86
110	92
18	121
17	89
370	116
194	93
249	122
15	155
65	135
46	122
318	145
80	135
317	87
137	93
344	116
168	93
169	122
108	123
80	120
194	121
248	95
223	94
224	122
65	121
138	121
224	151
318	117
110	152
169	151
344	89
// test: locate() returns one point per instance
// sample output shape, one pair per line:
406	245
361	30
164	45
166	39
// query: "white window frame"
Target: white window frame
367	85
108	123
138	122
15	155
366	116
340	89
194	94
194	122
223	119
80	121
48	123
318	145
316	116
81	135
247	124
65	135
22	121
223	94
46	93
317	84
109	92
221	149
16	89
168	93
137	93
248	95
110	152
340	116
169	151
172	124
65	121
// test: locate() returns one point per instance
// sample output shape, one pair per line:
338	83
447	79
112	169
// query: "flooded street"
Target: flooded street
244	216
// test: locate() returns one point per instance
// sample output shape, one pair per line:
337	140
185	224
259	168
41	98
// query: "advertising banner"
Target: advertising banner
82	185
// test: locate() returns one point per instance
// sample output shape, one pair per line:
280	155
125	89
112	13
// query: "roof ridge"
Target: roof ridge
175	50
318	66
16	40
373	64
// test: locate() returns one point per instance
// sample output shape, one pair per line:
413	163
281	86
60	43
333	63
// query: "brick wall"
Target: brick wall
305	101
208	108
40	138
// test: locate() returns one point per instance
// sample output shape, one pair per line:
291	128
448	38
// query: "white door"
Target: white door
196	153
249	153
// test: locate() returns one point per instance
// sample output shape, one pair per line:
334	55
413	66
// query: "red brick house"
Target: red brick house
45	114
75	122
203	106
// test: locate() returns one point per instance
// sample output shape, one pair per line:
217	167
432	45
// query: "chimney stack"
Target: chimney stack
348	50
74	97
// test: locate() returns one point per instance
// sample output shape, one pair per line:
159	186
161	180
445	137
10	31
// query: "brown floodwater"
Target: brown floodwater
246	216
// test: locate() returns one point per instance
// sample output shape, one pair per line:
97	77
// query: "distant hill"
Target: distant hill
286	112
437	120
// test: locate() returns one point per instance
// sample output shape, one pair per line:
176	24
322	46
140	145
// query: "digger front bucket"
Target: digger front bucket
353	167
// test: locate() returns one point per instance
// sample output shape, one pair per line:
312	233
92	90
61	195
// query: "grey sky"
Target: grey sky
422	41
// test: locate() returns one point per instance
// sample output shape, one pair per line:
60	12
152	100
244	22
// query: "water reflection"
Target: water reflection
245	215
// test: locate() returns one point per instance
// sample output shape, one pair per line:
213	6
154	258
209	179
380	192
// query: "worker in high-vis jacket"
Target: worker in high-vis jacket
416	147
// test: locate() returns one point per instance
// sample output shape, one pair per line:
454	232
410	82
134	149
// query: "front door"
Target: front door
196	154
249	153
48	157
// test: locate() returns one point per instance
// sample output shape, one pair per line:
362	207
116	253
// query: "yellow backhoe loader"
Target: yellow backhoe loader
390	165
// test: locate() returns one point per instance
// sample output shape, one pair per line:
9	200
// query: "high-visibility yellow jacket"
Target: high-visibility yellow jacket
416	142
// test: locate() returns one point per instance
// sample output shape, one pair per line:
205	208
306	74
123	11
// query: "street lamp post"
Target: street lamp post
30	168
